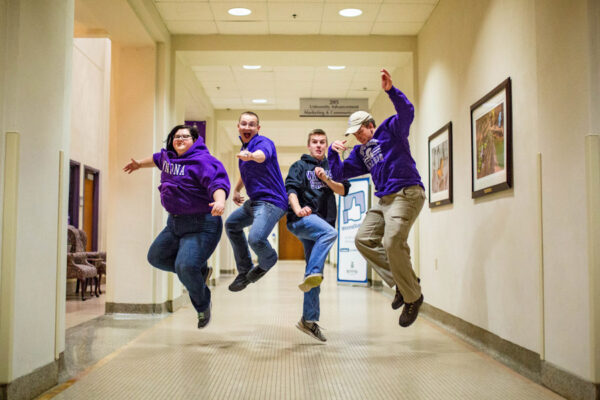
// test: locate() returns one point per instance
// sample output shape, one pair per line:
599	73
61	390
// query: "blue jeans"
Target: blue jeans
317	237
262	216
184	247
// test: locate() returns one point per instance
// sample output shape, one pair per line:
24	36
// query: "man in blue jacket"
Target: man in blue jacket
384	152
311	217
260	174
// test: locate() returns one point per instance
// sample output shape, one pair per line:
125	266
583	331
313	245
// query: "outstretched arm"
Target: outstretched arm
134	165
404	108
257	156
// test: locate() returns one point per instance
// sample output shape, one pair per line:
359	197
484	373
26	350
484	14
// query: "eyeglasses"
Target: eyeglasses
248	124
181	137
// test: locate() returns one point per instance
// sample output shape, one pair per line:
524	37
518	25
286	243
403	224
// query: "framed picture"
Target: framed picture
440	166
491	142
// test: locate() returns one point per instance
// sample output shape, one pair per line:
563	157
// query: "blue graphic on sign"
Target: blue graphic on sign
351	201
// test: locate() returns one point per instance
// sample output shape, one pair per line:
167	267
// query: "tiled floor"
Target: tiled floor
251	350
81	311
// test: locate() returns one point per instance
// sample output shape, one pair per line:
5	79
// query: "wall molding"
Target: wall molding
148	308
33	384
526	362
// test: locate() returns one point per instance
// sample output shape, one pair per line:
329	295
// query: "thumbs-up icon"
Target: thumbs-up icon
354	206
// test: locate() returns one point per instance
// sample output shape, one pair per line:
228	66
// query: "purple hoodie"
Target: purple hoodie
187	183
387	156
263	181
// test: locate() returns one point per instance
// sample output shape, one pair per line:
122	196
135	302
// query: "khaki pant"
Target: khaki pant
391	220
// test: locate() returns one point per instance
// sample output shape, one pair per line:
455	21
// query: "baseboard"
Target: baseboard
126	308
228	271
520	359
33	384
176	304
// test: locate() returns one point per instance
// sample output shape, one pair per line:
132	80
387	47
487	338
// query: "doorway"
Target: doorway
290	247
91	189
74	176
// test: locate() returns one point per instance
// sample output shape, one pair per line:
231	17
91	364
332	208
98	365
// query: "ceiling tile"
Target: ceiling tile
242	28
216	75
303	11
185	11
331	12
294	27
219	9
346	28
192	27
434	2
404	12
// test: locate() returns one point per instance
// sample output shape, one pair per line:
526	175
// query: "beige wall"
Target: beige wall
90	116
480	258
36	103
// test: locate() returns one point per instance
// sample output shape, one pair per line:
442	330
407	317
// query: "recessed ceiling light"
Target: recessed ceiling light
350	12
239	12
336	67
251	66
259	101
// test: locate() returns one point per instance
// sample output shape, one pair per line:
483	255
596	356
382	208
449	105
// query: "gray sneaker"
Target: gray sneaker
311	329
204	317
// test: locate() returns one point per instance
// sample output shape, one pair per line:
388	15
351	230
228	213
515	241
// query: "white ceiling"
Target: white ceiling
285	77
312	17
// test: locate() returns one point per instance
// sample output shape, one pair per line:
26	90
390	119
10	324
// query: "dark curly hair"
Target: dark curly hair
191	129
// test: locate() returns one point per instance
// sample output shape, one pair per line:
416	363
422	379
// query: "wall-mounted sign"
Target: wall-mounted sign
331	107
352	267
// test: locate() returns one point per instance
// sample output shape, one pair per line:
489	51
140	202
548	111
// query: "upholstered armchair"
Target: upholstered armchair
77	242
78	267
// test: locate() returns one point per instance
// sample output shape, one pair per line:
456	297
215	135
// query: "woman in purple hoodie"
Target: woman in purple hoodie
193	189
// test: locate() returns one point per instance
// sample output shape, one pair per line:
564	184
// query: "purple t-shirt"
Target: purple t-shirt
386	156
187	183
263	181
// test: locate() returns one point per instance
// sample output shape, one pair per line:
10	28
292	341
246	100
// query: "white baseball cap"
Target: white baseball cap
356	120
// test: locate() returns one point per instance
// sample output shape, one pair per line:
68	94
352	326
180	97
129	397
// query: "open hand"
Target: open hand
339	146
218	208
132	166
386	80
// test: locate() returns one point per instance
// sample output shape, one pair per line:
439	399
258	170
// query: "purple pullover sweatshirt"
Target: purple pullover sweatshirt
187	183
386	156
263	181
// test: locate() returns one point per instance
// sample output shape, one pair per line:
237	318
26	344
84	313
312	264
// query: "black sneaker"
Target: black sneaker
209	272
255	274
204	318
398	299
311	329
239	283
410	312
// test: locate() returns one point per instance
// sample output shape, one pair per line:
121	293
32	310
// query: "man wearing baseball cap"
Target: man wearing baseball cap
384	152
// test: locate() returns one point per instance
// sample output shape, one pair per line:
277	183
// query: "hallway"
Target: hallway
252	350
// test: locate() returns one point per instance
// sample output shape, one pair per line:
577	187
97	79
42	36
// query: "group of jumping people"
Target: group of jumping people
195	185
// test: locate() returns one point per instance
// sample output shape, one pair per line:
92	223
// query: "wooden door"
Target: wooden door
290	247
90	208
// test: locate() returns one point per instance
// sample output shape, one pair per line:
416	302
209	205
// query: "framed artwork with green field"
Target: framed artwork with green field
491	142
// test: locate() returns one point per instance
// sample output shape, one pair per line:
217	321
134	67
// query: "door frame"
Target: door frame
74	198
96	202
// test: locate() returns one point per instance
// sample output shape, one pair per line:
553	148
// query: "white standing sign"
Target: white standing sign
352	267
